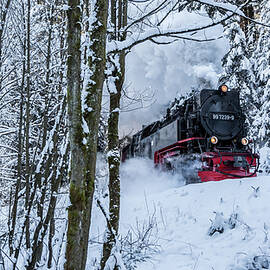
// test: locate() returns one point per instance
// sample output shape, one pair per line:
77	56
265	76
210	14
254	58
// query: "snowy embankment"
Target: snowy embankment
180	218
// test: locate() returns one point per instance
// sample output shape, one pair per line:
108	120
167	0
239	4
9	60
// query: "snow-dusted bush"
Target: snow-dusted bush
233	220
220	224
265	160
257	262
140	244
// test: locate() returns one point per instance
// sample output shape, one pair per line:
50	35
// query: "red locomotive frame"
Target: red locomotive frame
216	165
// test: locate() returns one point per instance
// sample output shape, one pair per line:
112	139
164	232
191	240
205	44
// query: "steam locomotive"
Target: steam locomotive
207	129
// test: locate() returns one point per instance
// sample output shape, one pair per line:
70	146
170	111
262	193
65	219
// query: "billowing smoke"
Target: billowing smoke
156	74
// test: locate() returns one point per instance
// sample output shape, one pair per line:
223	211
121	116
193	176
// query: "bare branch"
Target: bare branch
163	43
168	34
197	40
109	226
170	11
8	147
155	10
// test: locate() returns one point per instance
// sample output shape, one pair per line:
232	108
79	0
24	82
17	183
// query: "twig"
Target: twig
9	258
109	225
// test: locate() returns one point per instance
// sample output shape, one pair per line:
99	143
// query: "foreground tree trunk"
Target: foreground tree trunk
84	114
119	20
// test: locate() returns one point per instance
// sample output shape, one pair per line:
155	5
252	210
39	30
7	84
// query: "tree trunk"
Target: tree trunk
84	114
3	19
75	130
114	161
113	139
92	108
20	154
27	124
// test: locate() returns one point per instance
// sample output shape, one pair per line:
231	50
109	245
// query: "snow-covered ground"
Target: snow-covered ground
181	216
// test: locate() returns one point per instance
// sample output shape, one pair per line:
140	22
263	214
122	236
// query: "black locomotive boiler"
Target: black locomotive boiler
207	128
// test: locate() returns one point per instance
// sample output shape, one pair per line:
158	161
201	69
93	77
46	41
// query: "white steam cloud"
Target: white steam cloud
156	74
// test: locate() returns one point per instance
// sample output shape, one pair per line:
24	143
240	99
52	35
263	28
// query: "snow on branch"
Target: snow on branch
155	31
231	9
224	6
129	43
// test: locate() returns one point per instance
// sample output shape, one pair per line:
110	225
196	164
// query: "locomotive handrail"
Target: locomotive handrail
174	146
159	154
239	176
229	154
179	142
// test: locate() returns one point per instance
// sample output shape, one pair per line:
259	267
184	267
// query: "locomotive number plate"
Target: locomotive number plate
222	116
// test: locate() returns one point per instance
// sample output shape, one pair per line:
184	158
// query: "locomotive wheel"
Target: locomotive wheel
187	166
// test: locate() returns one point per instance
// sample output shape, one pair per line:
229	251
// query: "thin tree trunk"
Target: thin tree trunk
76	207
27	125
3	19
92	109
50	242
19	162
113	139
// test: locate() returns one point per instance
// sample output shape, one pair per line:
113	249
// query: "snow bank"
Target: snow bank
182	217
183	214
265	160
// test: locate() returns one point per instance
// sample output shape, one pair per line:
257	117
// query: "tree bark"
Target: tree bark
92	108
118	73
27	124
84	114
75	130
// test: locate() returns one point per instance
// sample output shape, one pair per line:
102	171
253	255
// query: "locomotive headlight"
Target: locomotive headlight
244	141
223	88
214	140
